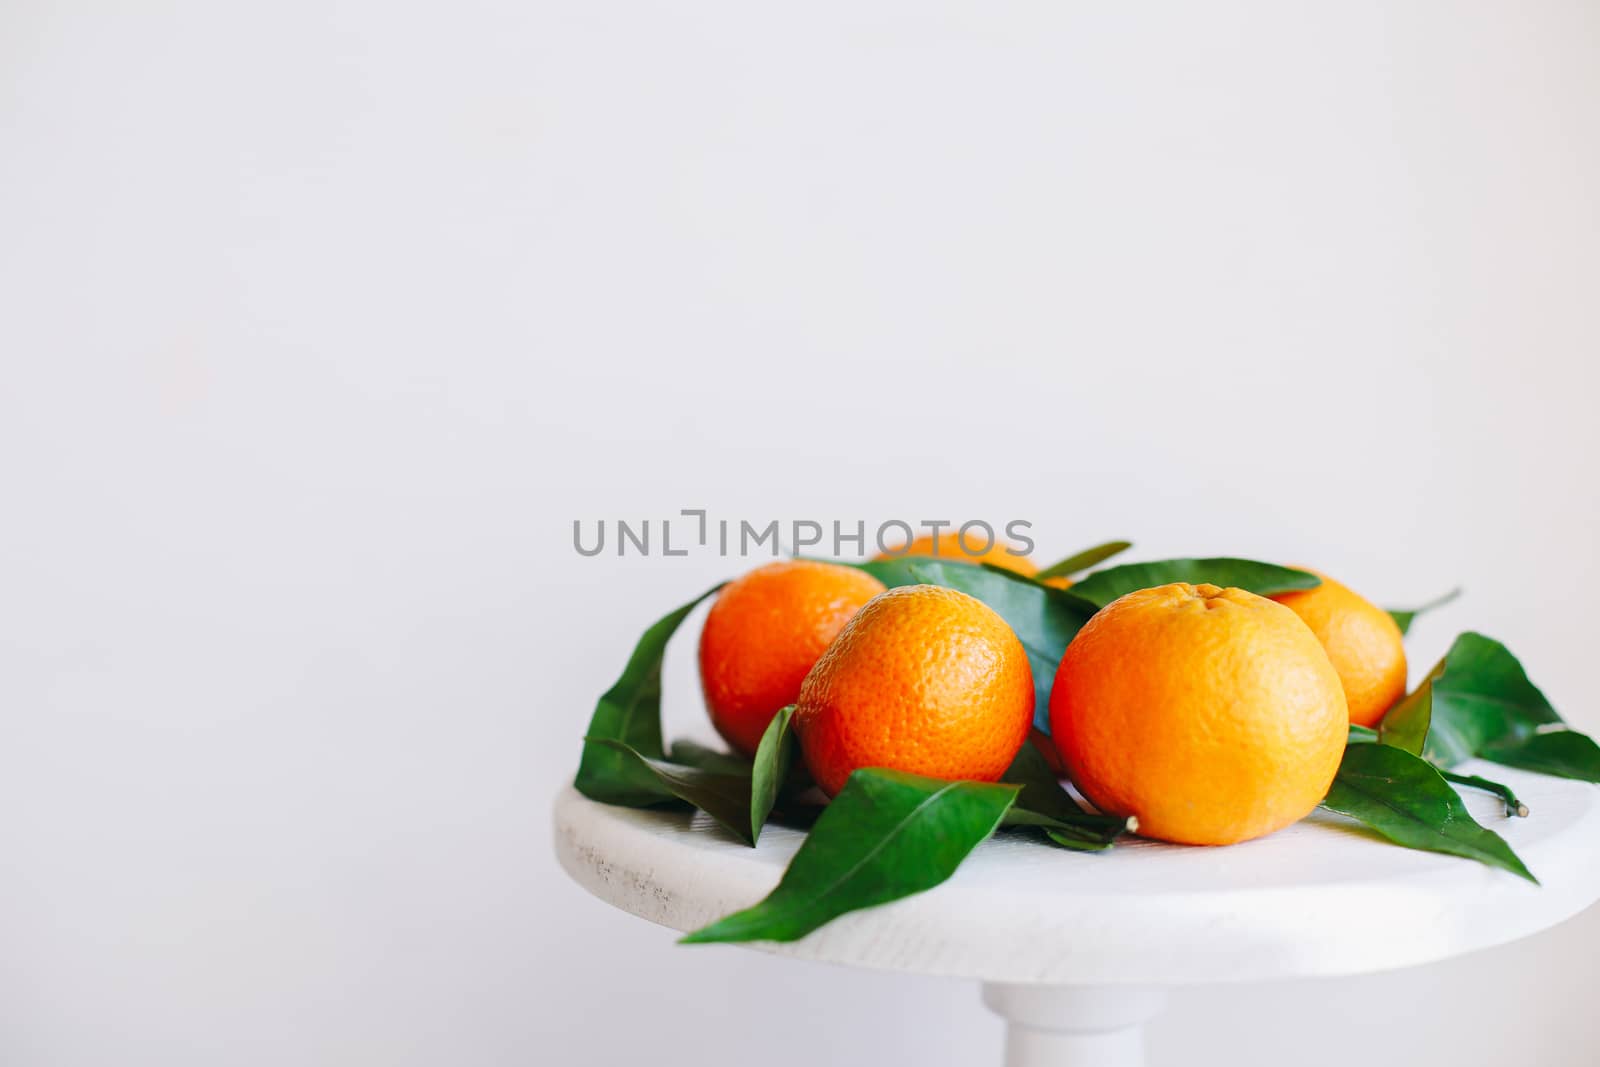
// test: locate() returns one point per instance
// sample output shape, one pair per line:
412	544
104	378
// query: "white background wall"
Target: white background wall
322	322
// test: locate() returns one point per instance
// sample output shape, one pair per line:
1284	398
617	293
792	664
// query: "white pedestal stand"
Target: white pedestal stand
1074	950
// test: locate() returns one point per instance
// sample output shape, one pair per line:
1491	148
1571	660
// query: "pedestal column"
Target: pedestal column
1073	1026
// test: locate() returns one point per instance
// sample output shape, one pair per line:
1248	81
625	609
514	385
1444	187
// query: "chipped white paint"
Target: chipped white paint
1321	898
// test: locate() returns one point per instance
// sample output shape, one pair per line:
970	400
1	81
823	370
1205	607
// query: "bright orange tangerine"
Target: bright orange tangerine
1362	640
1211	715
764	632
924	679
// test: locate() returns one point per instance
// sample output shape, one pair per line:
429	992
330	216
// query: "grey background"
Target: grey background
322	322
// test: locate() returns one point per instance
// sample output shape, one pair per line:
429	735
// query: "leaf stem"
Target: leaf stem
1514	807
1437	602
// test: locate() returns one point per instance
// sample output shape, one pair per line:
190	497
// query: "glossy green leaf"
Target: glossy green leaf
1483	705
1401	797
982	580
1482	697
1267	579
798	810
630	712
1560	752
1362	735
774	756
724	797
1406	724
1082	561
1078	841
1041	795
886	835
1404	617
694	754
1044	619
1044	803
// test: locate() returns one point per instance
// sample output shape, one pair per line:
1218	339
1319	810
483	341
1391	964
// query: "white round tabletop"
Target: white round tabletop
1324	897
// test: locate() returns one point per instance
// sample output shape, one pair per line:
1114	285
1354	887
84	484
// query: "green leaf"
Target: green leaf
1362	735
1043	803
1267	579
694	754
724	797
1405	800
1082	561
798	810
1564	753
774	756
1478	702
1044	619
1077	842
1041	794
976	578
1406	724
886	835
1404	617
1482	697
1484	706
630	712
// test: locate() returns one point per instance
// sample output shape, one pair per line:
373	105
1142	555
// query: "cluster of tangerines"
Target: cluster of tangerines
1205	715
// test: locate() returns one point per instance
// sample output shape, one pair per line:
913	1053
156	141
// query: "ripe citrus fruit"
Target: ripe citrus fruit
1363	642
975	548
924	679
1212	715
763	634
